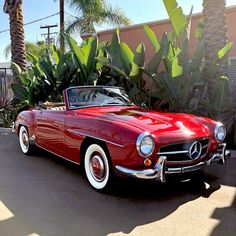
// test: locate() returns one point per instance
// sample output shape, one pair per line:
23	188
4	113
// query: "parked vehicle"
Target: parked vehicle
101	129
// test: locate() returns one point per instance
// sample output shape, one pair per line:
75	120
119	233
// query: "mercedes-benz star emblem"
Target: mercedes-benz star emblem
195	150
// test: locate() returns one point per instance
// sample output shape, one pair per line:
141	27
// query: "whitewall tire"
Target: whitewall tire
97	167
24	140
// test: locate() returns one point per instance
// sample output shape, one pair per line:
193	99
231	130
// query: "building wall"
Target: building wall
135	34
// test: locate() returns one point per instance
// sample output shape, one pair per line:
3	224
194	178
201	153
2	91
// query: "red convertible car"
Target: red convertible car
101	129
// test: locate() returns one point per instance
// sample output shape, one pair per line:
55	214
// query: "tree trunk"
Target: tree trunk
14	9
215	38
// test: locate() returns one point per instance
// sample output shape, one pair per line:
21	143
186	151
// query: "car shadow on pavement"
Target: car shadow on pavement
226	216
49	196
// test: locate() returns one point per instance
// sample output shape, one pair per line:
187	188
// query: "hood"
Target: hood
163	125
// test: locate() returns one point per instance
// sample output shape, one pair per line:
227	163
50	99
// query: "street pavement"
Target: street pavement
47	196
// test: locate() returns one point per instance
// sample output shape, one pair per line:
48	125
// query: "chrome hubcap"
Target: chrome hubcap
97	168
25	140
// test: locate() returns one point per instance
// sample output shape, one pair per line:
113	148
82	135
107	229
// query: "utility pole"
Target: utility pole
48	35
62	25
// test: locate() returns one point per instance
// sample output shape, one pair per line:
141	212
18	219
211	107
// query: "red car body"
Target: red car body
66	132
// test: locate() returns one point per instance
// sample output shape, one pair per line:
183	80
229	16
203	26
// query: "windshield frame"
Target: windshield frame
68	90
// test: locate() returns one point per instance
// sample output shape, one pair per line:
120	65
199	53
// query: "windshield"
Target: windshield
97	96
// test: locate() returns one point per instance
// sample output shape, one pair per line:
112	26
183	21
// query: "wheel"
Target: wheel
97	168
24	141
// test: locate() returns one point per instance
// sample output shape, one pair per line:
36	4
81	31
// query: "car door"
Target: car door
50	131
73	135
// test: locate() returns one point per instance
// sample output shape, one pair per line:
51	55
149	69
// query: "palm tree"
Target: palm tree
38	49
91	12
215	38
14	9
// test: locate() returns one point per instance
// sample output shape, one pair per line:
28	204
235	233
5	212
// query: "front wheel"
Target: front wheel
97	167
24	140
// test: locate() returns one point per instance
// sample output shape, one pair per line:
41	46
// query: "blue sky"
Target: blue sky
139	11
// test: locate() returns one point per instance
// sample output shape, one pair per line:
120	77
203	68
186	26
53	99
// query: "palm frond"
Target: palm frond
92	12
115	16
7	51
82	24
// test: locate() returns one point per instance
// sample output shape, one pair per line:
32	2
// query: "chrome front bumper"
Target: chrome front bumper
160	170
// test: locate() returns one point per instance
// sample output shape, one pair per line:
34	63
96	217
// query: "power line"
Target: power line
71	15
48	35
34	21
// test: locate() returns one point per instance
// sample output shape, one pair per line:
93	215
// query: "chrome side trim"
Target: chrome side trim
57	154
174	152
91	136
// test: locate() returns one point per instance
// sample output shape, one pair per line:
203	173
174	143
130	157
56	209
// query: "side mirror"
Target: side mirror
144	105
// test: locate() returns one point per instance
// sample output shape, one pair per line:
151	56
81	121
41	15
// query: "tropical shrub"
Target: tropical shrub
181	85
8	111
126	67
46	78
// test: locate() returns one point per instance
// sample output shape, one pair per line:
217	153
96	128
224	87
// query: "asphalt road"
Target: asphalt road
44	195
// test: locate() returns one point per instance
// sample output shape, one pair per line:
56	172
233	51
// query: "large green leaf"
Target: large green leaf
139	56
105	62
16	68
92	52
189	24
221	53
199	29
127	57
178	19
115	41
38	70
33	58
197	57
19	91
221	94
165	44
99	57
77	50
152	37
55	54
24	79
184	53
176	69
114	52
155	62
47	70
138	61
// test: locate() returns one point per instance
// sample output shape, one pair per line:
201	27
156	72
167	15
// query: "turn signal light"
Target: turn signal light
147	162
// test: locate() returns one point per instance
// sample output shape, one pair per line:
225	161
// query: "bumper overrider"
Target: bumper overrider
160	170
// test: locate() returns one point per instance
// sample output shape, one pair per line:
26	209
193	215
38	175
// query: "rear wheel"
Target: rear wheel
24	140
97	167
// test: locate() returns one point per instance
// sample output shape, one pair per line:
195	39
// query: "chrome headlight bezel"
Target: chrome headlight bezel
139	143
219	128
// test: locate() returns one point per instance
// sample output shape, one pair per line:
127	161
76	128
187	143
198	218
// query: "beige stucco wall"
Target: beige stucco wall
135	34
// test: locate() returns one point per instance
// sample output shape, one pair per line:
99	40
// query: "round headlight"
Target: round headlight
145	144
220	132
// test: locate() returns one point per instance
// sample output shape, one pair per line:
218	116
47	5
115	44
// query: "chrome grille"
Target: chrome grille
180	151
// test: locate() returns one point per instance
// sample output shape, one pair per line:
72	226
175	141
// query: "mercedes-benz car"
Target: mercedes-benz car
99	128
